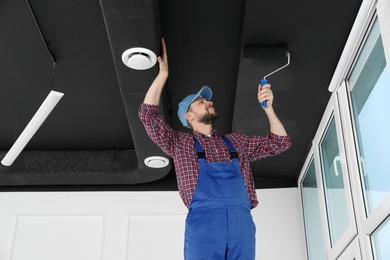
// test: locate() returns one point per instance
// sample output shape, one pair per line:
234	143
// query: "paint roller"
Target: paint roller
267	52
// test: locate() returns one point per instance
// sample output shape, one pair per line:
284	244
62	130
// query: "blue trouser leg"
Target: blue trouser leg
205	235
242	231
219	234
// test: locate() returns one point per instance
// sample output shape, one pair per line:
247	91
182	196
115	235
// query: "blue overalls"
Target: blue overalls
219	224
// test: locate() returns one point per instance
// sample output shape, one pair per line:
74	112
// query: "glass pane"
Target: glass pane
336	202
314	235
380	241
369	87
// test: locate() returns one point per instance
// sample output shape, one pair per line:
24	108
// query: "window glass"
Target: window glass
380	241
369	90
335	197
313	227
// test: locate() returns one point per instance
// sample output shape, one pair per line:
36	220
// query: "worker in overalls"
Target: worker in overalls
213	172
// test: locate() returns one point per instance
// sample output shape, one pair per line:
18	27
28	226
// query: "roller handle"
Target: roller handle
262	83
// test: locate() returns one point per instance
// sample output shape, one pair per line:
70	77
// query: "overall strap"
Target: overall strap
232	151
202	154
199	150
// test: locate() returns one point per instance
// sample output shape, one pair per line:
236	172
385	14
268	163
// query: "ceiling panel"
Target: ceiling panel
93	140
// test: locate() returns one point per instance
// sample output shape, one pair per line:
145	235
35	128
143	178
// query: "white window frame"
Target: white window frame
383	7
352	252
357	38
366	225
362	22
352	158
310	159
332	111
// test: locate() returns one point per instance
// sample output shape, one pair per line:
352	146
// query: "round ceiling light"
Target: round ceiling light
156	162
139	58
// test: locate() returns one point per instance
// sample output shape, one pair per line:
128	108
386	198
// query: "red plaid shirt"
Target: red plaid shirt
180	146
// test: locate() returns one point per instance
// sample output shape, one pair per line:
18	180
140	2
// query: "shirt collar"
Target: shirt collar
200	136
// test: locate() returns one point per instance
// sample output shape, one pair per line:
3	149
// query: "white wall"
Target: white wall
279	222
130	225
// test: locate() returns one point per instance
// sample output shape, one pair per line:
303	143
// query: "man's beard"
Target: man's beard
208	118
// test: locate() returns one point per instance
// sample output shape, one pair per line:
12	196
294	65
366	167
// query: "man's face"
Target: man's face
203	111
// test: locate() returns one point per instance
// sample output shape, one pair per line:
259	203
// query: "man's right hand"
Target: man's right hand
163	60
153	95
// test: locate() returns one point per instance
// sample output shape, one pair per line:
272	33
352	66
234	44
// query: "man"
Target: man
213	172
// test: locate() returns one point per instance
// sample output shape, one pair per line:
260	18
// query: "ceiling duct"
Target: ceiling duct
135	24
129	24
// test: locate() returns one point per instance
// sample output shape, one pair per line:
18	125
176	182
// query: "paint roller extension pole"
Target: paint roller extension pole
265	81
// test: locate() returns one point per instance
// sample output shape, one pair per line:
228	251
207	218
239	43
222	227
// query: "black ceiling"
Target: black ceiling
93	139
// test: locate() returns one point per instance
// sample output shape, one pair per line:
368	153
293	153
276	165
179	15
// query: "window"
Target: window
335	193
369	92
313	224
380	241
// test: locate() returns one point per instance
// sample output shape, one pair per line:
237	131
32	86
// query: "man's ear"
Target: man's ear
189	116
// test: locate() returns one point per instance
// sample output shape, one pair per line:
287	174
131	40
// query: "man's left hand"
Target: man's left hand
265	94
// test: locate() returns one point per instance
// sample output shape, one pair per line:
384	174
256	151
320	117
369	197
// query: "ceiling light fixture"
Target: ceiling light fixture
34	124
156	162
139	58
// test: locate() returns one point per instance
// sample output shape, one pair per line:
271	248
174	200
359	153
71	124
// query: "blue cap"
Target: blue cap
205	92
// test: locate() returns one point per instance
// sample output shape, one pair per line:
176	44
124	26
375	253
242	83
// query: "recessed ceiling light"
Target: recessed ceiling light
156	162
139	58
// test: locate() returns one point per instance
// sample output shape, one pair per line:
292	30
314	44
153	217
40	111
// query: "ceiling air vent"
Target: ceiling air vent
156	162
139	58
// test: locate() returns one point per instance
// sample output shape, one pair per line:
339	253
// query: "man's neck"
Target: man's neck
204	129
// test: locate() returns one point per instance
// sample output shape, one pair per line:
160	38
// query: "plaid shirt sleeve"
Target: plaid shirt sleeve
157	129
258	147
